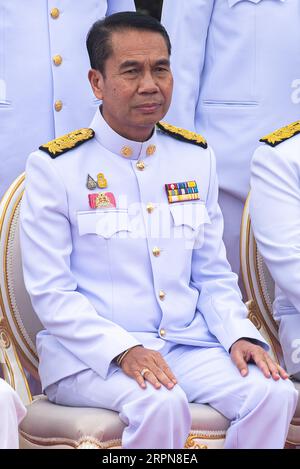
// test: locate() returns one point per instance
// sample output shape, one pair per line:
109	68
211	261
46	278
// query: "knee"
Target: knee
281	392
280	395
284	394
165	405
175	400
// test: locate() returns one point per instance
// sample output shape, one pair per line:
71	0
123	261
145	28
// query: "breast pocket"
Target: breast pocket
105	223
189	221
231	80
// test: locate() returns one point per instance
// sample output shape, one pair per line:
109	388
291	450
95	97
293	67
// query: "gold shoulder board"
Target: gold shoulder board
182	134
282	135
67	142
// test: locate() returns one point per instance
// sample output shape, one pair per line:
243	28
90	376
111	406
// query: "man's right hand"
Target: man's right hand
143	365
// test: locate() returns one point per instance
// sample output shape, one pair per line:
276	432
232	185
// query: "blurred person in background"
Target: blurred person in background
44	91
236	65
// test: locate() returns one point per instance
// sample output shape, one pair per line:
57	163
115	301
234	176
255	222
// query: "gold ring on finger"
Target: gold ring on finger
144	371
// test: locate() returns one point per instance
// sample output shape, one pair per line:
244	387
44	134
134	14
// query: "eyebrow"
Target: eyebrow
135	63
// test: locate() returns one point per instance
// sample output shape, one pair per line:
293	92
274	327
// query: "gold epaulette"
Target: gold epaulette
182	134
67	142
281	135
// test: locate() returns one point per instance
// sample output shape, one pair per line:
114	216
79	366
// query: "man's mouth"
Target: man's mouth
148	107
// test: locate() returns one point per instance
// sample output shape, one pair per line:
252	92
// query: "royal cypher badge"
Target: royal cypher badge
102	200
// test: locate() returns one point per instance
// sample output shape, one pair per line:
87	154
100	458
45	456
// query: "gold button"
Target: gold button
156	252
150	208
127	152
162	295
162	332
203	447
57	60
58	105
151	150
54	13
140	166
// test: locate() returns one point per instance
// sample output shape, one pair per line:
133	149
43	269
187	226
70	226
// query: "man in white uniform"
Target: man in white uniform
275	214
12	412
237	77
123	259
44	92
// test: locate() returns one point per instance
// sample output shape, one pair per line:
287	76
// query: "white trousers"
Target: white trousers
12	411
260	409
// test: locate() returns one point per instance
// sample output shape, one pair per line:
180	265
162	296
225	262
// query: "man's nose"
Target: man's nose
148	83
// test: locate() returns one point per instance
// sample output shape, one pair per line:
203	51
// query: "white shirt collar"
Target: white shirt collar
119	145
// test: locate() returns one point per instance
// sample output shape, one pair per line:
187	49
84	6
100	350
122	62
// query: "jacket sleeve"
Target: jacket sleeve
46	245
187	23
220	298
114	6
275	217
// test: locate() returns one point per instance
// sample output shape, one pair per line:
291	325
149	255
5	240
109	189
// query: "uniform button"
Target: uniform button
57	60
156	252
162	332
54	13
58	105
162	295
150	208
140	166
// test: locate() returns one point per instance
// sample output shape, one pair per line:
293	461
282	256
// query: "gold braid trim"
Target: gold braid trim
281	135
182	134
67	142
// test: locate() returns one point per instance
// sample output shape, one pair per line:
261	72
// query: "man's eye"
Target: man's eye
161	69
132	71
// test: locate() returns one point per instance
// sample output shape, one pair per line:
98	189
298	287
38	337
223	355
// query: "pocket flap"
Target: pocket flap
104	223
192	214
231	3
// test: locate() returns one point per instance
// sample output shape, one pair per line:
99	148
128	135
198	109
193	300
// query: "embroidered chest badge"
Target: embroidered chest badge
102	200
182	191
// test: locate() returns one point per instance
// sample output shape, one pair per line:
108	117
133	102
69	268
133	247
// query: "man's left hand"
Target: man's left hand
244	351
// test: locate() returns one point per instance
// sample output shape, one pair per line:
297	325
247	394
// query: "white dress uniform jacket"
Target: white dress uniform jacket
12	412
144	272
237	77
44	91
275	214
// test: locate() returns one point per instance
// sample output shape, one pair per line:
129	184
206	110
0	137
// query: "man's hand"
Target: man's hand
243	352
143	365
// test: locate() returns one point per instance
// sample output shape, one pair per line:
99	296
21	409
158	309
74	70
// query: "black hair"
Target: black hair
98	40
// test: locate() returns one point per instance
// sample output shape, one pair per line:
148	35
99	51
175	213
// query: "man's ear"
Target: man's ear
97	81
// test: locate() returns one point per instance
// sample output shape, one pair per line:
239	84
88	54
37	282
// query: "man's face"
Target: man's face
137	87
